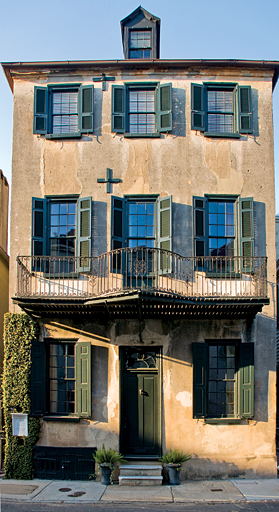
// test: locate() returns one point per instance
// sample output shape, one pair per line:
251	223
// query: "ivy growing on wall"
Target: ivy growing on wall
19	331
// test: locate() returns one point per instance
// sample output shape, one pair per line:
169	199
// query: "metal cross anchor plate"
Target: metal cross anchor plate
104	79
109	180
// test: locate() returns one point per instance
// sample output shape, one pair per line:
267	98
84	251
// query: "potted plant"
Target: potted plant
106	460
173	459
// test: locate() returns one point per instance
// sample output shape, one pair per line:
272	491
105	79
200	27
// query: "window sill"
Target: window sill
75	135
224	421
142	135
223	135
62	275
72	419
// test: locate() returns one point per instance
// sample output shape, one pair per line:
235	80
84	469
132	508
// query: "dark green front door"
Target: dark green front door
141	402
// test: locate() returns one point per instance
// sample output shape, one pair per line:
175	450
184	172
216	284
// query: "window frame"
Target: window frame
83	236
40	388
44	111
143	48
244	236
244	381
242	108
48	378
120	108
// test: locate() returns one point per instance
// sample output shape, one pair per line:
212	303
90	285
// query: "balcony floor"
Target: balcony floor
143	305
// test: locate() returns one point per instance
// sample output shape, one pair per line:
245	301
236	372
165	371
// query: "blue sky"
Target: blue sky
90	30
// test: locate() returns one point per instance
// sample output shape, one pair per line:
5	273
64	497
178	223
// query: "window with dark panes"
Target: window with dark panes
221	228
221	380
62	378
141	221
140	44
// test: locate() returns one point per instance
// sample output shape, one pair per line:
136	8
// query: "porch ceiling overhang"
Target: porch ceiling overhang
143	305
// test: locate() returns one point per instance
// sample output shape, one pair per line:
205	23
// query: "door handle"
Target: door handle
142	392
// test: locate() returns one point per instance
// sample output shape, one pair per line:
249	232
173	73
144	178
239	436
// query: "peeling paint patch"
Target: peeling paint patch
185	398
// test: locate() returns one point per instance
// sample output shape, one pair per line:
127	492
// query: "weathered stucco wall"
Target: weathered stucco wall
182	163
246	449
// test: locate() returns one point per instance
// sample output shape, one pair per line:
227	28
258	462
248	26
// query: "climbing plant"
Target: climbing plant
19	332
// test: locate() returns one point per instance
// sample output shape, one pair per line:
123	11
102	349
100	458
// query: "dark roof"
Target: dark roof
11	68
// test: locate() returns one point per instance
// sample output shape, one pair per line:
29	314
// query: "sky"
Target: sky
90	30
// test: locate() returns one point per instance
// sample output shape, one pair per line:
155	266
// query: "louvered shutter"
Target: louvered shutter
86	107
84	233
117	230
38	378
83	379
197	105
40	110
246	380
246	233
165	233
118	109
200	227
200	357
245	109
38	237
164	107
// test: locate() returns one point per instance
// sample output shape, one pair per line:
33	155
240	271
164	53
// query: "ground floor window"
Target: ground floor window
61	378
223	385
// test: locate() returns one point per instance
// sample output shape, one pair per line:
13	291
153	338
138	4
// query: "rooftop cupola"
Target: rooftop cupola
141	35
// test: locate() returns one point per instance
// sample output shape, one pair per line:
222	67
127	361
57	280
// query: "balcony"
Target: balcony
142	282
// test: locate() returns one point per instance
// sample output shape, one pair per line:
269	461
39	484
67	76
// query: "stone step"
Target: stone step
140	470
140	480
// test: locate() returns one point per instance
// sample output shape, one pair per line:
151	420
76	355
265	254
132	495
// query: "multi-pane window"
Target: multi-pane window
223	109
142	111
220	111
221	380
62	378
141	227
221	227
62	228
140	44
64	112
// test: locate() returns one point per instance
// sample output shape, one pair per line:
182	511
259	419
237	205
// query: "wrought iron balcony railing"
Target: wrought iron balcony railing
144	269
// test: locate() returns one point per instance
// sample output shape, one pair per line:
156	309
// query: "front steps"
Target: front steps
140	474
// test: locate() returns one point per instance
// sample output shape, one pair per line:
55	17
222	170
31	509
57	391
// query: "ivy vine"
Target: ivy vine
19	332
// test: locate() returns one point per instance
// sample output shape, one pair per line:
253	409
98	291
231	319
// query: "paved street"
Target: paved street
170	507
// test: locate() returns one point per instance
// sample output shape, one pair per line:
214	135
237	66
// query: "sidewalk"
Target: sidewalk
54	491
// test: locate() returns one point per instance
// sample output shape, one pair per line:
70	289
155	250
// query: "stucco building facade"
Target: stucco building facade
144	245
4	258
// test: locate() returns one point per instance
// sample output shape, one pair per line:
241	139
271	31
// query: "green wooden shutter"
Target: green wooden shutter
118	232
197	105
200	357
245	109
246	380
200	229
164	107
118	109
83	379
84	216
117	222
246	233
38	378
40	110
165	233
86	107
38	238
